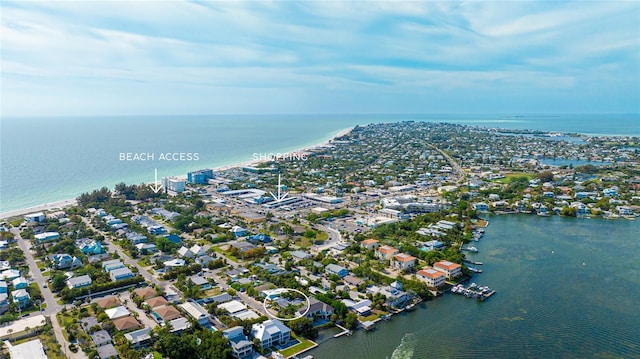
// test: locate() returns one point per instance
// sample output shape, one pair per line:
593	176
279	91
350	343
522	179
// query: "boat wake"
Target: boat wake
406	348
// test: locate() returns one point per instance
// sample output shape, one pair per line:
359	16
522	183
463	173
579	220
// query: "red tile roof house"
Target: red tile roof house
451	270
386	252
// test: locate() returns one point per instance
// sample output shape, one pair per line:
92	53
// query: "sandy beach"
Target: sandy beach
72	202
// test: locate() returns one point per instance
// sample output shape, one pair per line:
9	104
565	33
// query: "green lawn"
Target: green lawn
303	345
371	317
508	176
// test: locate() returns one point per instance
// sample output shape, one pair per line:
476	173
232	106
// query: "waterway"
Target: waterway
566	288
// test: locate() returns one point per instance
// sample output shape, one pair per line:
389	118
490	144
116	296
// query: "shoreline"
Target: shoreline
72	201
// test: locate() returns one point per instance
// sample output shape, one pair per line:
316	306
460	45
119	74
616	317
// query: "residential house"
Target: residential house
238	231
146	292
107	352
403	261
108	302
200	282
20	283
47	236
481	207
184	252
197	312
136	238
450	269
89	246
117	312
78	282
317	309
145	248
174	263
337	270
362	307
156	302
101	337
126	323
120	274
299	255
179	325
10	274
4	302
431	277
112	264
167	313
21	297
34	217
270	332
370	244
240	344
64	261
386	252
3	287
139	338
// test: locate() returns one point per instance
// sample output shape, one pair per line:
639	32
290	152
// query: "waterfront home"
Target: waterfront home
21	297
403	261
47	236
362	307
139	338
34	217
450	269
240	345
77	282
481	207
431	277
270	333
197	312
386	252
317	309
20	283
370	244
337	270
581	208
624	210
120	274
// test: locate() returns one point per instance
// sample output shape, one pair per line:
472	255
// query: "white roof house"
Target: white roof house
30	350
270	332
196	311
117	312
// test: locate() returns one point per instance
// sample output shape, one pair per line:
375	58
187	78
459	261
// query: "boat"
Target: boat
410	307
470	249
473	262
475	270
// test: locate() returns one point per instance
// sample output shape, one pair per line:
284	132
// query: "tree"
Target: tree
351	321
303	326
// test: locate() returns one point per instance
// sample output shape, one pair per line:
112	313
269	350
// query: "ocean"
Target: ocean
45	160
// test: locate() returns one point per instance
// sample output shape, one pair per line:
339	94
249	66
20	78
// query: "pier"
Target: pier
344	331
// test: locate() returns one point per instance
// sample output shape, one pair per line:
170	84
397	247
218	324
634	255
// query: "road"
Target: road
52	307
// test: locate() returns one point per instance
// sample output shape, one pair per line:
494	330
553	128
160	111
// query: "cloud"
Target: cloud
322	51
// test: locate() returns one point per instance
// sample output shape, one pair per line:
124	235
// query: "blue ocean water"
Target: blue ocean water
44	160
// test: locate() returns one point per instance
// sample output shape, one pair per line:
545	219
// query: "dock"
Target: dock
473	291
344	331
472	262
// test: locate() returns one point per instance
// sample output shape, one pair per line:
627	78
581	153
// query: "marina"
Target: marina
478	292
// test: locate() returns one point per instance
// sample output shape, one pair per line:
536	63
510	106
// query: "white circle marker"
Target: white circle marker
284	290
